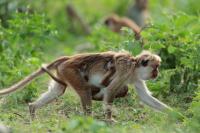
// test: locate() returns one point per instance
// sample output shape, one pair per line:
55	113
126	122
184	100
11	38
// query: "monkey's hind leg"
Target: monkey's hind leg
54	90
81	87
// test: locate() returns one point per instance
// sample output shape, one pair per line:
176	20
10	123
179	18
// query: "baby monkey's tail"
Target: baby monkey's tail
21	84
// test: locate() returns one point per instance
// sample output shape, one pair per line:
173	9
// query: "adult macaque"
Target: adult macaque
138	12
75	16
115	23
97	76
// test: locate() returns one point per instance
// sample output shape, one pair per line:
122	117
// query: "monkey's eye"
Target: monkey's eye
144	63
106	22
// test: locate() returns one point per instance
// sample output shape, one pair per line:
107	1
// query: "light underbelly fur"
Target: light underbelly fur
96	80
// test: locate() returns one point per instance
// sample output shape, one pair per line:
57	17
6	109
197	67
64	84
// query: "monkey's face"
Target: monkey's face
110	23
113	24
142	4
148	69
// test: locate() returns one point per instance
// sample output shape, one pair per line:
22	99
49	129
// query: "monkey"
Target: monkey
122	93
135	19
110	71
75	16
138	12
115	23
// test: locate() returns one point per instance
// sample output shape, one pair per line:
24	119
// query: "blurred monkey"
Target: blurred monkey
115	23
135	20
138	12
75	16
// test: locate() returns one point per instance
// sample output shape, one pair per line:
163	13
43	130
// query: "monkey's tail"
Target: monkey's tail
21	84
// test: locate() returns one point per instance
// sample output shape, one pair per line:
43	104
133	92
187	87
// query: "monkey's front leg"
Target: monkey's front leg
124	69
108	101
146	97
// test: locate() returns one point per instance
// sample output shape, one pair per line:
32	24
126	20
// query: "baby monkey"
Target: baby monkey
99	76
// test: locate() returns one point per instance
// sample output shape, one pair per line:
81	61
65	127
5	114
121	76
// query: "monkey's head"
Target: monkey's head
112	22
147	65
141	4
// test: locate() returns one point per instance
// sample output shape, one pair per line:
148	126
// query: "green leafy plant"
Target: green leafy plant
21	47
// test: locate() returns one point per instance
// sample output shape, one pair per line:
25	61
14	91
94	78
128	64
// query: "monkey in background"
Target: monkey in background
138	12
135	20
115	23
107	73
76	17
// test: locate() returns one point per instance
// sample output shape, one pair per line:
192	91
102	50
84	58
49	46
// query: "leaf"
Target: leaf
33	61
137	48
187	62
171	49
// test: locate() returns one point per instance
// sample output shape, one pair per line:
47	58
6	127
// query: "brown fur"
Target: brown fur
135	19
115	23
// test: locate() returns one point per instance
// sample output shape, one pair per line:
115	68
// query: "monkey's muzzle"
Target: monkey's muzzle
154	74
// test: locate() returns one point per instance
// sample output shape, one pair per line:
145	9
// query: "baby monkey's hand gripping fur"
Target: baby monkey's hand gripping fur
100	76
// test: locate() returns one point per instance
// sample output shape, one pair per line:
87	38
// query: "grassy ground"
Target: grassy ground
65	115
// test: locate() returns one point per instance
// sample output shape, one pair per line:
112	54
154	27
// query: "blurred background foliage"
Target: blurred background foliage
33	32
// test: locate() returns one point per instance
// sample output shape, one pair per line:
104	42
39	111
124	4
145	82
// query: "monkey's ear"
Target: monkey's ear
144	63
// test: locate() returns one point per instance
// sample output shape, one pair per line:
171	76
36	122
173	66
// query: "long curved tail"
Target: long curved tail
21	84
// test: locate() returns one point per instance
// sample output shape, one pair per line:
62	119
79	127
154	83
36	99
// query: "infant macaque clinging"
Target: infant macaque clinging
98	76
